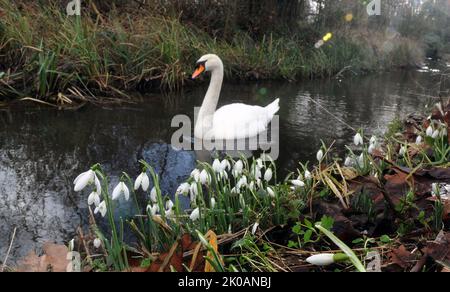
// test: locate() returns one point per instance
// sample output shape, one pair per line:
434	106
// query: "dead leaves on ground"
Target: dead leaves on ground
53	259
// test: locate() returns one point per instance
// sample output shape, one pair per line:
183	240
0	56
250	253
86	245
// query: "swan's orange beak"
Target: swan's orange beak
200	69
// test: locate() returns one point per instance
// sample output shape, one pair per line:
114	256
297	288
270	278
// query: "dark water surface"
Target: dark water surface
43	150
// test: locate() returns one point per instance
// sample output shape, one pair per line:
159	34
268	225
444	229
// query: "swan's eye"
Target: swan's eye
199	70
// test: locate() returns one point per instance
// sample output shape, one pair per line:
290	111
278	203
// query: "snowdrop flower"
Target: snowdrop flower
319	155
435	134
142	181
268	174
169	205
237	168
259	183
97	243
83	180
195	215
169	213
429	131
154	195
204	177
444	132
152	210
195	174
297	183
183	189
402	150
119	189
373	140
358	139
94	198
361	161
270	192
323	259
193	191
255	227
308	175
217	167
213	203
242	182
259	163
419	140
348	161
98	185
447	189
225	164
101	208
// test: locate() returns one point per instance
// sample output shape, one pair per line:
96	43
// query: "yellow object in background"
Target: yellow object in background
327	37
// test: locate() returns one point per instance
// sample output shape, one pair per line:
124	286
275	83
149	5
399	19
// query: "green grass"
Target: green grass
45	53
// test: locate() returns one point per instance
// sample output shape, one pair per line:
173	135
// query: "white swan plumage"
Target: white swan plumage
233	121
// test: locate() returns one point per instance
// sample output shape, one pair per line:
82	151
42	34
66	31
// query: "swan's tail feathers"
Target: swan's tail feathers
273	108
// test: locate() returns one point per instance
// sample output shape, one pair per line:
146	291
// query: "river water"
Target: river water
42	150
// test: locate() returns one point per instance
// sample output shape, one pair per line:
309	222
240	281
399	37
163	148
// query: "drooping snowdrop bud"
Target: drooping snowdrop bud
195	174
348	161
308	175
142	181
94	198
169	205
204	177
361	161
121	188
255	227
271	192
358	139
243	182
183	189
259	163
429	131
326	259
435	134
193	191
154	195
217	167
225	165
319	155
268	174
152	210
419	140
297	183
98	185
97	243
195	215
213	203
237	168
101	208
83	180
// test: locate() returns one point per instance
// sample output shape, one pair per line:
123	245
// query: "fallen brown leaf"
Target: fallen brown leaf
54	259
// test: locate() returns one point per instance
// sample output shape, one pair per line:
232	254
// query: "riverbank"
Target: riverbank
49	57
385	207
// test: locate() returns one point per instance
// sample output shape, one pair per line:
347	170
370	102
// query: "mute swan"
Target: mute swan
233	121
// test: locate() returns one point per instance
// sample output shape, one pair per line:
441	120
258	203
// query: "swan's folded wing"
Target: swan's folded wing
237	121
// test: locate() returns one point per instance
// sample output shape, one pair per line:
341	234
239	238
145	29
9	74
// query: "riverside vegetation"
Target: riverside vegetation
387	201
112	48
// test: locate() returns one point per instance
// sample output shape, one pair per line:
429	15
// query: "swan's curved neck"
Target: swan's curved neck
209	105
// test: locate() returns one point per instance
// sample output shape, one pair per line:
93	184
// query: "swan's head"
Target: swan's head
207	63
